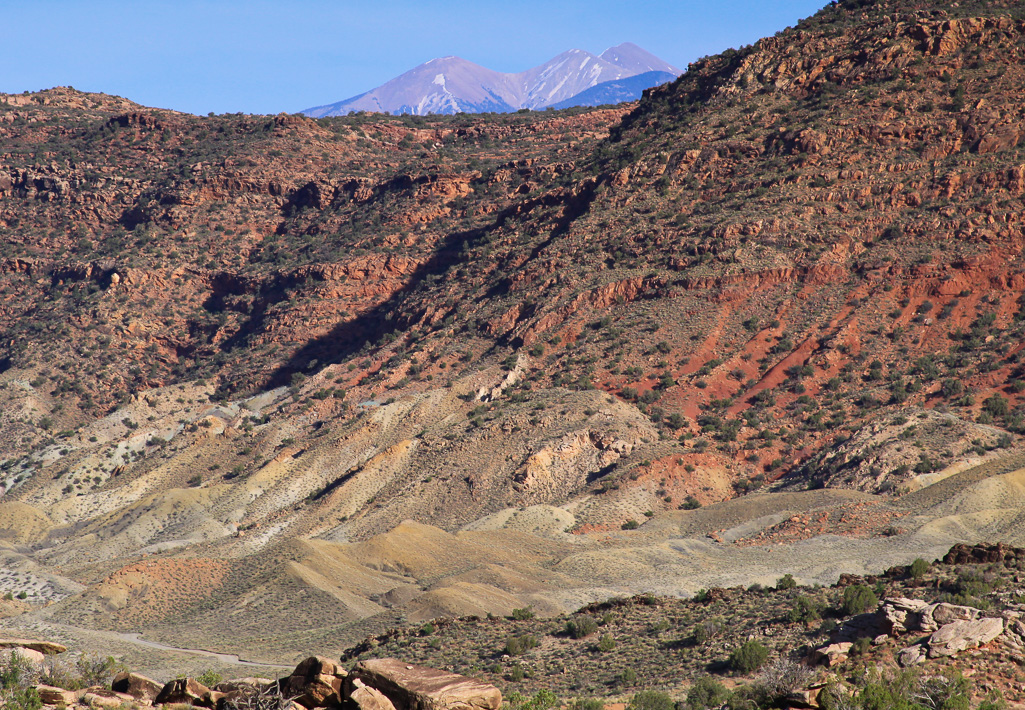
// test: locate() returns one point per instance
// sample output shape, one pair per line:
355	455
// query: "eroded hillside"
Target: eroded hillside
412	367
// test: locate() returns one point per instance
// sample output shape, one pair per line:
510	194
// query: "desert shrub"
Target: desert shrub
706	693
630	525
20	698
587	704
691	503
59	672
749	657
996	405
579	628
518	645
906	690
858	598
16	671
785	582
706	631
783	676
918	568
524	614
17	674
543	699
606	643
651	700
861	646
627	677
209	678
805	610
98	671
252	698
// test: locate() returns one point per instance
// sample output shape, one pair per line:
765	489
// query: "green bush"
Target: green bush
587	704
20	699
579	628
691	503
524	614
627	677
543	699
749	657
606	643
918	568
518	645
858	599
706	693
706	631
904	690
98	671
16	676
651	700
209	678
861	646
785	582
805	610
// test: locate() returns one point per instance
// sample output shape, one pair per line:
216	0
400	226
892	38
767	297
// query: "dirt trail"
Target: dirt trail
222	657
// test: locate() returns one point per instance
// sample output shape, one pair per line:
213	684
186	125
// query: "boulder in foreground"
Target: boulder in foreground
411	687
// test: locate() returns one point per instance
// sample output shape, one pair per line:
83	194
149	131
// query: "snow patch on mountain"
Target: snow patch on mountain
450	84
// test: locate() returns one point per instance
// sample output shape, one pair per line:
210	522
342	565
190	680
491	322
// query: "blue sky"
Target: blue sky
259	56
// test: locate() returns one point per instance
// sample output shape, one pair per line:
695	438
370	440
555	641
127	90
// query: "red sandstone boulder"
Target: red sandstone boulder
411	687
138	686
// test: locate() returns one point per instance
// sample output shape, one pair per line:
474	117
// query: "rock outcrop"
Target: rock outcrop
138	686
317	682
411	687
958	636
953	628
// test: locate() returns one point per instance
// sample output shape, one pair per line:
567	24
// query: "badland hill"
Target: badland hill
385	369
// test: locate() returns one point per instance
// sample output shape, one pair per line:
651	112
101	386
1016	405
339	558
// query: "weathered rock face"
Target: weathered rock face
953	628
96	697
961	635
982	554
138	686
183	690
46	648
411	687
316	682
56	696
904	615
832	655
367	698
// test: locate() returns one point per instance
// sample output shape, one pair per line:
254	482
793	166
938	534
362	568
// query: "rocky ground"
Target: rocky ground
958	619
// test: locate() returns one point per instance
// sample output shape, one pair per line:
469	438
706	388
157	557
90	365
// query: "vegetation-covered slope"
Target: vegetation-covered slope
545	338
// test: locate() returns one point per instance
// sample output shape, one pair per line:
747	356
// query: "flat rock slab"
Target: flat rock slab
47	648
56	696
961	635
412	687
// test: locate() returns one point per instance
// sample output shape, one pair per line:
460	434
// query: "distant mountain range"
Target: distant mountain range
617	91
451	85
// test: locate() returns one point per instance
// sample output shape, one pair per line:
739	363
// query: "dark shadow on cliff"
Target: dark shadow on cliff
401	311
